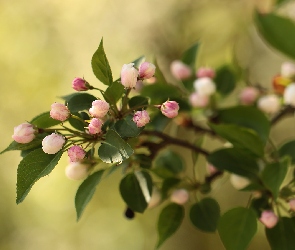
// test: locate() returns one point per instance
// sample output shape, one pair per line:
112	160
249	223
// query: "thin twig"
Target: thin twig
287	110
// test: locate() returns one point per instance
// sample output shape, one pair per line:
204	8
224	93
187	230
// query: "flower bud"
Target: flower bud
139	85
141	118
279	83
289	95
198	101
180	70
51	144
151	80
24	133
59	112
269	218
79	84
76	153
211	169
239	182
129	75
155	198
95	126
99	108
269	104
205	72
146	70
292	204
248	95
179	196
288	70
170	109
205	86
77	171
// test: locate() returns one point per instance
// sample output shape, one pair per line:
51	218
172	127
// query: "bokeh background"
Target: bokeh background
45	44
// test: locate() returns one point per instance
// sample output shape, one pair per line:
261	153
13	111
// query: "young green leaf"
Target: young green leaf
23	146
137	102
225	80
281	237
44	120
168	184
100	66
77	124
277	31
288	149
158	74
114	148
114	92
127	127
205	214
82	101
86	191
237	227
189	57
135	190
169	221
34	166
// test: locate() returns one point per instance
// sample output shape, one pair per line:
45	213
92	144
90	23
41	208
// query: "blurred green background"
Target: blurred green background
45	44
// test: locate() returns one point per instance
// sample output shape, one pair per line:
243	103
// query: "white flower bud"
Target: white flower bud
289	95
51	144
180	70
288	69
269	104
239	182
205	86
77	171
179	196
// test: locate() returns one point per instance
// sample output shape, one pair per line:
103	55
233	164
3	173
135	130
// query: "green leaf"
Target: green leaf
44	121
246	116
240	137
159	122
77	124
136	190
85	191
138	61
189	57
113	93
127	127
114	148
235	161
159	93
168	164
23	146
281	2
167	185
225	80
100	66
137	102
34	166
273	176
205	214
237	227
82	101
159	75
288	149
281	237
68	97
144	161
277	31
169	221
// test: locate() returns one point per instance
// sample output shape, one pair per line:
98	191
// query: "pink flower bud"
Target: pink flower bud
129	75
59	112
198	101
239	182
179	196
77	171
170	109
205	72
95	126
289	95
141	118
269	104
146	70
99	108
180	70
51	144
76	153
211	169
248	95
205	86
79	84
24	133
269	218
288	69
292	204
139	85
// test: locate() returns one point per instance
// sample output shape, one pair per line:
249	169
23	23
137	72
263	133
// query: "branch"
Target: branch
188	123
287	110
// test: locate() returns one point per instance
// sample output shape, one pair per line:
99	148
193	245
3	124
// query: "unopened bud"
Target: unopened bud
79	84
289	95
141	118
77	171
179	196
239	182
59	112
269	218
51	144
205	86
292	204
211	169
198	101
248	95
76	153
205	72
24	133
94	126
288	70
269	104
170	109
99	108
146	70
180	70
129	75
